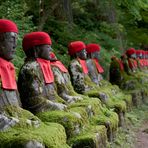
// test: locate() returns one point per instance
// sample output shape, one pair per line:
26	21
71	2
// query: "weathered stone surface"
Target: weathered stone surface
7	122
95	137
92	90
91	105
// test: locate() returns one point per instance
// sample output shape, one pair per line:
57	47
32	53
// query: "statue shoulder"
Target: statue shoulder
30	67
74	62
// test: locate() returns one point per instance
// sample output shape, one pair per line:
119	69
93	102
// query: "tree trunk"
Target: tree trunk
68	10
45	13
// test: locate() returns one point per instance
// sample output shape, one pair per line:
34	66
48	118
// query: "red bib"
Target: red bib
131	65
135	64
121	65
46	69
7	75
98	66
84	66
60	65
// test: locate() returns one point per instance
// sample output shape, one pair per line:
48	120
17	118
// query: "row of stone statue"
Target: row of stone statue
131	62
71	108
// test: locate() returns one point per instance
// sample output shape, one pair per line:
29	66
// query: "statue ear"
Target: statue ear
1	36
36	51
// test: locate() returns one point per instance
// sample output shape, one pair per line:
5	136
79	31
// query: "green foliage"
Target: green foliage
15	11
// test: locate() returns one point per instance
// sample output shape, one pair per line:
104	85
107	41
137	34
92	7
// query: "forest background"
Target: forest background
114	24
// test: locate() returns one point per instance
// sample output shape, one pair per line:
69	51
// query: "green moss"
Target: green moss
95	104
107	116
71	89
21	114
136	96
82	111
52	135
69	120
111	101
94	136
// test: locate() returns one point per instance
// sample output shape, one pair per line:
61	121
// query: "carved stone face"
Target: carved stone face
82	54
133	56
42	51
8	42
95	55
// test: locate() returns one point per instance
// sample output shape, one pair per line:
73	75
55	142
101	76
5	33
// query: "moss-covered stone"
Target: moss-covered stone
93	137
30	128
110	120
101	114
71	121
51	135
136	96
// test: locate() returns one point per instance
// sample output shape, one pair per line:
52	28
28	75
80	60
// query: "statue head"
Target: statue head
93	50
8	39
131	53
77	49
37	45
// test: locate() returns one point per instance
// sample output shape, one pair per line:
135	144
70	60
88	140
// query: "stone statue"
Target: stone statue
131	56
115	71
126	75
36	75
40	93
62	81
9	94
81	80
65	90
13	119
94	68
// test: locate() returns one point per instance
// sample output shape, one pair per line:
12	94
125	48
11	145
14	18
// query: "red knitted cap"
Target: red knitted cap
138	52
92	47
143	52
7	26
130	51
75	47
35	38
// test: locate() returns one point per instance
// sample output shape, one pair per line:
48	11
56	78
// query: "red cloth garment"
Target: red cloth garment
141	62
7	75
135	63
144	62
131	64
98	66
84	66
46	69
121	65
60	65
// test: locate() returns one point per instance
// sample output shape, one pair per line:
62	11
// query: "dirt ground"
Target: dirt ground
142	136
